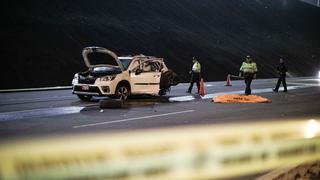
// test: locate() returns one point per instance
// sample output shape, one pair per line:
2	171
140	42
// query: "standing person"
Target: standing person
248	70
282	69
195	74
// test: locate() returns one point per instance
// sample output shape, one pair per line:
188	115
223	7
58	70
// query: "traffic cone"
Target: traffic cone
228	81
201	87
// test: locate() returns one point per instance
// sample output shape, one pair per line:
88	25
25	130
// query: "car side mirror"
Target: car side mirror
138	71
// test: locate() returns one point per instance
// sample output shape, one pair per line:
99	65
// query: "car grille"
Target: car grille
93	89
86	80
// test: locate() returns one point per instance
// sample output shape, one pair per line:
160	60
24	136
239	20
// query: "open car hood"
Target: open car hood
87	50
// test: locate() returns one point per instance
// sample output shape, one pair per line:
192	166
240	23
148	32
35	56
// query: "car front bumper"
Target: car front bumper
91	90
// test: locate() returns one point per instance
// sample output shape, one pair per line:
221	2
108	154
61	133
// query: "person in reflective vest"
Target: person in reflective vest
248	71
195	74
282	69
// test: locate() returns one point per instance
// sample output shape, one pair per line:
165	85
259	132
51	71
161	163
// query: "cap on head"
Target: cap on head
248	58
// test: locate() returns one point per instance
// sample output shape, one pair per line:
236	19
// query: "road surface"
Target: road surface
38	113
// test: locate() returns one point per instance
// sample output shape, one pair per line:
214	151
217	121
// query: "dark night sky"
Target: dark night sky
42	39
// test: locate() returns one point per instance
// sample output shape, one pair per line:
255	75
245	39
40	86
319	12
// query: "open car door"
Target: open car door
145	77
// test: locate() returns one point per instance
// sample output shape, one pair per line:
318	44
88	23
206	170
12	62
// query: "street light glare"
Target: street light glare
312	129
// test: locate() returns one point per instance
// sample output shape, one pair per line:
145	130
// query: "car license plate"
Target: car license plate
85	87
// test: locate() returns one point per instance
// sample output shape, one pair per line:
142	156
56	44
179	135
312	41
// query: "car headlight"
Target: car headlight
107	78
75	77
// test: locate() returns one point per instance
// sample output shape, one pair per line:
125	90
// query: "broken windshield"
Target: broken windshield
125	61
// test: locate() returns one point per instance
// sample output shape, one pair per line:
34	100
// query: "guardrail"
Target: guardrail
35	89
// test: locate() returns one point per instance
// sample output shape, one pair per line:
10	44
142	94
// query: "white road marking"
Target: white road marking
181	98
132	119
314	79
305	84
45	112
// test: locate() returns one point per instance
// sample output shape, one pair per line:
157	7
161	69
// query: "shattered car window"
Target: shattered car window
125	62
152	66
135	65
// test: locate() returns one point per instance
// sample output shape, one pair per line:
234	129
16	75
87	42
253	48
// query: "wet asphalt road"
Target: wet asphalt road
28	114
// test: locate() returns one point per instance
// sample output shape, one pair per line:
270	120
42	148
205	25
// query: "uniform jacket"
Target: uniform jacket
282	69
196	68
249	67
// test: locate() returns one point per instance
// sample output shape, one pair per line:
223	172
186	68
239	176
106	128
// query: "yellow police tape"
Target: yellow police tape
211	151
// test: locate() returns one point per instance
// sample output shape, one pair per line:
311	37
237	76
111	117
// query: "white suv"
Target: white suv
120	77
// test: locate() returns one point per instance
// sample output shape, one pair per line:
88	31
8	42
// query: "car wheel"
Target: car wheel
84	97
122	92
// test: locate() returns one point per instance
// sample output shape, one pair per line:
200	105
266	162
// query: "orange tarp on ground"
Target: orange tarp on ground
238	98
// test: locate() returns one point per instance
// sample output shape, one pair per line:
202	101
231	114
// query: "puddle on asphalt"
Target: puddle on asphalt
138	101
132	102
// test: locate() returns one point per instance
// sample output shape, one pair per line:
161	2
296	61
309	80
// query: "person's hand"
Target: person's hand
190	72
240	74
255	76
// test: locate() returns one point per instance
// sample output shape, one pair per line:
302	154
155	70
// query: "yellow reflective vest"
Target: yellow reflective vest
196	67
249	67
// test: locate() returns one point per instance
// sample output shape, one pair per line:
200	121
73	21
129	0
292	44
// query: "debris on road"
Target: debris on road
110	103
238	98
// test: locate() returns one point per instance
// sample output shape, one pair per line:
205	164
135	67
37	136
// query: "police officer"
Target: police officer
195	74
248	71
282	69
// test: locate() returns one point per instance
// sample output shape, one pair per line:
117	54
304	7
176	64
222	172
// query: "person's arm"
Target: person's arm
191	70
285	68
241	71
255	71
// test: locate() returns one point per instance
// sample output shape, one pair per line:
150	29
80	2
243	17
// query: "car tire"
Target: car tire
84	97
122	92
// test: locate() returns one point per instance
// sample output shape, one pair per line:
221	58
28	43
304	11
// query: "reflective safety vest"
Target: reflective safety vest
249	67
196	67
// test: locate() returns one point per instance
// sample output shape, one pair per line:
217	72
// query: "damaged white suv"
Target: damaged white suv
120	77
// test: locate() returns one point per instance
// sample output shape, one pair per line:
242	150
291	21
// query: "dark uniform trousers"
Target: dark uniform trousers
248	79
195	78
282	78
